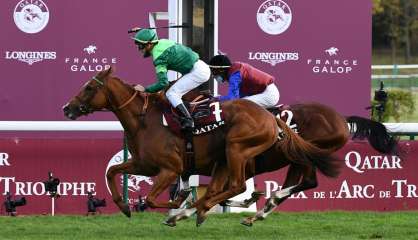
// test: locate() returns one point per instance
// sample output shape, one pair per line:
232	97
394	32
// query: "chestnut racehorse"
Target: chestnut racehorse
249	131
320	125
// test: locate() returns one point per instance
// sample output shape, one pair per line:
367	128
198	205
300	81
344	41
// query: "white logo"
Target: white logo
332	51
31	16
273	58
273	186
30	57
90	49
332	64
4	159
133	180
359	164
274	17
73	188
89	64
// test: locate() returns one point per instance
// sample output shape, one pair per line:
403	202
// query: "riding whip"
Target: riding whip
136	29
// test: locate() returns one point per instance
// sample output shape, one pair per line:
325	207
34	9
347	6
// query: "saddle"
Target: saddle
207	116
205	111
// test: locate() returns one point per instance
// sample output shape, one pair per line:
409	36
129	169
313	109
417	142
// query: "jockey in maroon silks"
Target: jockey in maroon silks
245	81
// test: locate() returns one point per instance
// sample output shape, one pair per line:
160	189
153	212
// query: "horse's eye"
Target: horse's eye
89	88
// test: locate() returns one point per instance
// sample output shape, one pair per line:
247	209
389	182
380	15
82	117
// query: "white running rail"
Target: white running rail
60	126
399	128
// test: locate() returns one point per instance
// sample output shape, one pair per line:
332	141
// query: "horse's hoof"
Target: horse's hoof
225	203
126	211
247	222
169	223
200	219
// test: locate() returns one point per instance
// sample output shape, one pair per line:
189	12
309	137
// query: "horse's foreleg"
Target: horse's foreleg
236	171
126	167
163	180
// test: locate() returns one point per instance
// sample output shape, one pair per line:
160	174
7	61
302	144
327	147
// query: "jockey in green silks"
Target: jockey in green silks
168	55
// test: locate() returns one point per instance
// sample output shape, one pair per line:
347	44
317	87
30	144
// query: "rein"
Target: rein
129	100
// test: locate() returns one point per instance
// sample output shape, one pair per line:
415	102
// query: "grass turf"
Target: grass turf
311	225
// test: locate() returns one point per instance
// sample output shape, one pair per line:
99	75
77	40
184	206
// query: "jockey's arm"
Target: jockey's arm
162	82
234	86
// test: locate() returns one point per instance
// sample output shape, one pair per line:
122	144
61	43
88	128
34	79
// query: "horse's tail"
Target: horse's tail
375	132
302	152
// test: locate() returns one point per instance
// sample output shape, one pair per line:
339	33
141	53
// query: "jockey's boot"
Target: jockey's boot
187	122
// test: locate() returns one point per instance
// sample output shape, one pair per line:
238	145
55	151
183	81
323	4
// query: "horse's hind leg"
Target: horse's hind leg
290	187
128	168
246	203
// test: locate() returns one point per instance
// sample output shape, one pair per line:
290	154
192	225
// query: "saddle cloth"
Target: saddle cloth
207	115
284	112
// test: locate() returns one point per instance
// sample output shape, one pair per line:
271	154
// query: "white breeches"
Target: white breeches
267	99
199	74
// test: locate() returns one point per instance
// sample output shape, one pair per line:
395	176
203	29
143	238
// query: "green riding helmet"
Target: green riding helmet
146	36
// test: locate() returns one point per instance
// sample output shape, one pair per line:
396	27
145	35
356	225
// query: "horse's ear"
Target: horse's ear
105	73
109	71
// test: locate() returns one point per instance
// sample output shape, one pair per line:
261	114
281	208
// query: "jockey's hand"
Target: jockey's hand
139	88
216	98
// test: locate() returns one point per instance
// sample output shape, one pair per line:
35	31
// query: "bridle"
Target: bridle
85	108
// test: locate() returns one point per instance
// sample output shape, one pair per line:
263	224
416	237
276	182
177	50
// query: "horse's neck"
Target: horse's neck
129	116
120	94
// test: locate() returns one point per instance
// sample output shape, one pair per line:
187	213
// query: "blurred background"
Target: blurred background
395	58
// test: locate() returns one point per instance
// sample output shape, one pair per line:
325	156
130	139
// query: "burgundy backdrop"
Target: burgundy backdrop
80	164
369	181
323	37
318	51
38	91
324	55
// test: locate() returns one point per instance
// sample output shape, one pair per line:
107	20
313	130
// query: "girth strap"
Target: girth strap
189	161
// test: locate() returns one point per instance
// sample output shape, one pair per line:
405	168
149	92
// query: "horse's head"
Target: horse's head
91	98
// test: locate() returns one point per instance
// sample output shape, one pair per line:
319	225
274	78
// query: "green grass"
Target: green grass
312	225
